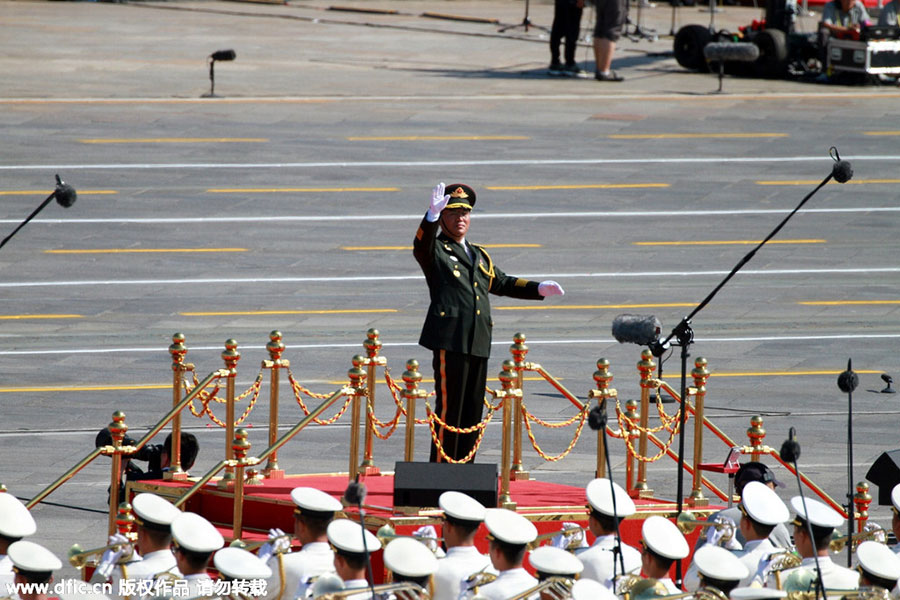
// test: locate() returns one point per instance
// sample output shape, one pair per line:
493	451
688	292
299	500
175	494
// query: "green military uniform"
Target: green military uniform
458	325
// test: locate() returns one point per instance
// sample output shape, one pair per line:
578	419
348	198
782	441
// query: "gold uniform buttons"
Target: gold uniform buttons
478	297
456	273
475	284
478	312
442	313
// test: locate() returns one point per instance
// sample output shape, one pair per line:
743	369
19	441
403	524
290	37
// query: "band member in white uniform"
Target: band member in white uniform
510	533
350	548
719	569
195	539
663	545
600	560
32	564
238	565
16	523
410	560
878	566
824	520
462	517
895	519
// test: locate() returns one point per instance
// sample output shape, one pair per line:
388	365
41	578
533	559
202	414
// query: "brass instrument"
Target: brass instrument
687	525
401	591
386	533
555	588
872	531
79	558
633	587
863	593
549	535
704	593
478	579
778	562
251	546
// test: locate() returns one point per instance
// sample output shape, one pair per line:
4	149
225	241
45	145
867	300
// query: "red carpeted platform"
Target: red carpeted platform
268	505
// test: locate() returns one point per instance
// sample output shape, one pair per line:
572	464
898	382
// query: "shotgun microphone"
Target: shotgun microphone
642	330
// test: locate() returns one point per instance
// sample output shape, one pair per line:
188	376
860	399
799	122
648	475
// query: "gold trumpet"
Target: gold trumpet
251	546
401	591
79	558
478	579
386	533
687	525
706	593
872	531
554	588
575	543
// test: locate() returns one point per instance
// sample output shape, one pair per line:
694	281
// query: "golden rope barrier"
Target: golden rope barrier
394	388
375	423
440	448
527	418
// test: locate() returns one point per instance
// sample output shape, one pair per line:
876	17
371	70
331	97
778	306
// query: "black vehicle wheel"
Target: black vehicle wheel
773	53
689	43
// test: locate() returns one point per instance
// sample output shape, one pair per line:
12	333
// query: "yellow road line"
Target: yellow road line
692	136
87	388
172	140
299	190
591	186
814	182
288	312
410	247
48	192
848	302
785	373
727	242
438	138
140	250
24	317
596	306
882	132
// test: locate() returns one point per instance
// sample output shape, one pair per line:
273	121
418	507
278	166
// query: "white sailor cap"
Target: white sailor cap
588	589
461	507
316	501
819	513
600	497
193	532
410	558
555	561
31	557
762	504
237	563
663	537
716	562
879	560
757	593
154	512
895	497
510	527
15	520
345	536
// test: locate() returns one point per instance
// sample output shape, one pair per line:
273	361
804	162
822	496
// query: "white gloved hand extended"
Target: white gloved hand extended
273	545
716	535
111	557
439	201
569	540
550	288
427	534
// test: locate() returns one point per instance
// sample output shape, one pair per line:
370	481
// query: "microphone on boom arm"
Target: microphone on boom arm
65	196
354	495
642	330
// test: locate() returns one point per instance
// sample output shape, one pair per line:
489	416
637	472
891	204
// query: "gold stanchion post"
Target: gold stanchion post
861	499
275	347
507	379
117	429
631	408
757	434
411	378
178	351
240	447
231	356
518	349
357	380
700	375
372	344
603	378
645	368
125	520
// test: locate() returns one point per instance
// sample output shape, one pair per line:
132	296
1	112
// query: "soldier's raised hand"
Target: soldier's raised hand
439	201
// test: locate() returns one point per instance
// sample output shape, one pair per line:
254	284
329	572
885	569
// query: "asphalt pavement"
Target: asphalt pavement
290	201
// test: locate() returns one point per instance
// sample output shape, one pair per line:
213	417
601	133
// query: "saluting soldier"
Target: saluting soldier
663	545
16	523
462	517
823	520
601	562
153	516
350	549
457	328
195	539
510	534
314	511
32	564
410	560
719	569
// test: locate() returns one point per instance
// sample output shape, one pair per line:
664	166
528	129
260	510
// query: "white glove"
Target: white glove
570	540
550	288
439	201
111	557
427	531
715	535
273	546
